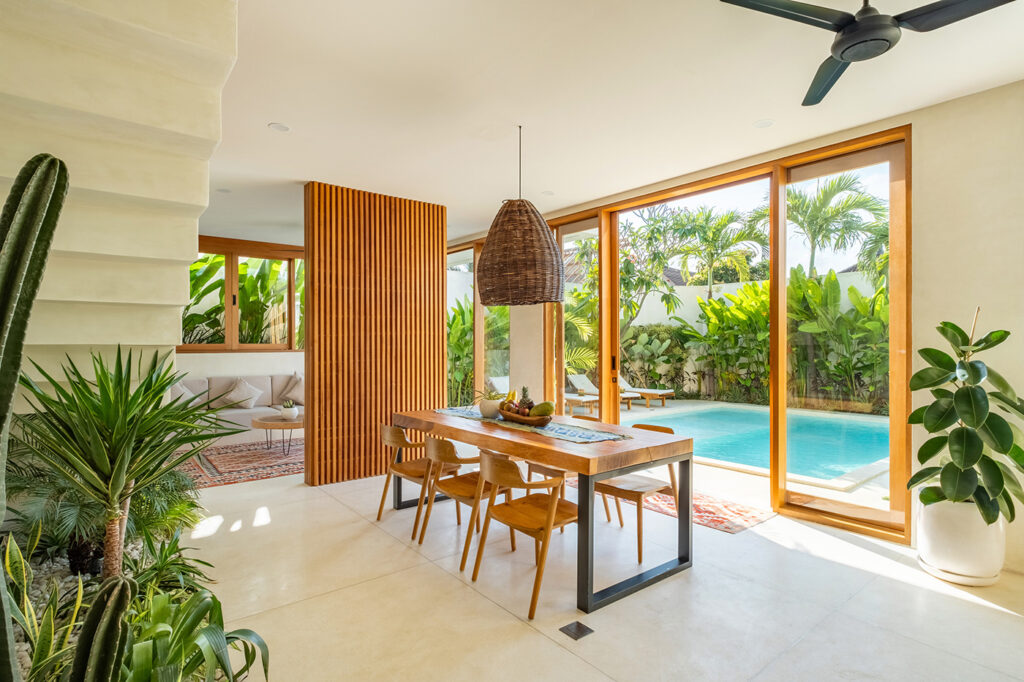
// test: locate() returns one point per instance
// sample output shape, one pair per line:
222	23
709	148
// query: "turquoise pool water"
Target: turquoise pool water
821	446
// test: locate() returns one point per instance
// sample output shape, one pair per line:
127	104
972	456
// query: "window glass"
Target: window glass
262	313
202	321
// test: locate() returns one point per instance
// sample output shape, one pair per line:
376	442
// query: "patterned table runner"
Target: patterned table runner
569	432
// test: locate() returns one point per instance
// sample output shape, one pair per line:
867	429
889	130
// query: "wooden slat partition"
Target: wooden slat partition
375	336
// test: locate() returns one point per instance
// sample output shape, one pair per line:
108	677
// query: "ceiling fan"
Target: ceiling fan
866	34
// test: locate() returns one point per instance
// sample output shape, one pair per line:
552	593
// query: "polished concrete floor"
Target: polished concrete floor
339	596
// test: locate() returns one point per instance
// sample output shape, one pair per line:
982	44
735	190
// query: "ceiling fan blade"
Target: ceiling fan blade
828	73
943	13
822	17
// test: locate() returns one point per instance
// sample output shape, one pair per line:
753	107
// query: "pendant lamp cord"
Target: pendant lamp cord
520	162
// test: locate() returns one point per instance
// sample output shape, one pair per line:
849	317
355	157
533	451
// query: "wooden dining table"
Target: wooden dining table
593	462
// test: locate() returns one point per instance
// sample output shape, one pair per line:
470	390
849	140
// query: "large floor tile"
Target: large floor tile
946	617
240	496
286	552
844	648
419	624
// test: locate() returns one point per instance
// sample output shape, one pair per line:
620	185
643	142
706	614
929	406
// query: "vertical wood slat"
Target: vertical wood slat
375	315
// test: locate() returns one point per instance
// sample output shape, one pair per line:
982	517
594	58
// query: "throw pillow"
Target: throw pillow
178	391
242	395
296	391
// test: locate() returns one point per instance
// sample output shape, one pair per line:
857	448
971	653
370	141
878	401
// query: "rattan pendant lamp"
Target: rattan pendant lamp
520	263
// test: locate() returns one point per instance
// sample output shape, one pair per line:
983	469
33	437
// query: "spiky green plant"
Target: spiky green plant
116	434
27	224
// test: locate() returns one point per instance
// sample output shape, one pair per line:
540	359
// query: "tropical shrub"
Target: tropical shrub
974	453
732	349
115	435
166	566
261	293
836	355
180	636
202	320
652	355
460	353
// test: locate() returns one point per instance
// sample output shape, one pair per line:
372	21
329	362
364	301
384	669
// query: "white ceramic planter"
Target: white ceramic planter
955	544
290	412
489	408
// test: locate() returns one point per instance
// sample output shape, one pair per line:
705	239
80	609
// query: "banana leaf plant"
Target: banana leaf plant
202	320
974	453
460	353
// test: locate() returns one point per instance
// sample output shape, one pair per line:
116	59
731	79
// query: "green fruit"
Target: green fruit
545	409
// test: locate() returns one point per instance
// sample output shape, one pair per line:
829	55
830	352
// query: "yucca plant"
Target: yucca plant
186	641
975	454
27	224
166	566
115	434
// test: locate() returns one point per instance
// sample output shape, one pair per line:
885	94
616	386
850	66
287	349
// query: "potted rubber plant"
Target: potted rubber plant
972	462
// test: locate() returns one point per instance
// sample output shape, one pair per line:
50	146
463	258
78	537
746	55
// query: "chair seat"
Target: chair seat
463	486
636	484
655	391
416	469
530	513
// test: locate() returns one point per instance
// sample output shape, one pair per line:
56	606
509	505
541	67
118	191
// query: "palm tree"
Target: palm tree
873	257
715	239
833	216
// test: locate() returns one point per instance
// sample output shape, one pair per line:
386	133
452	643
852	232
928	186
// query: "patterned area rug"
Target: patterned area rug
224	464
713	512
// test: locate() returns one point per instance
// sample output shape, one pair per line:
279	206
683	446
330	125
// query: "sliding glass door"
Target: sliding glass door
577	324
843	306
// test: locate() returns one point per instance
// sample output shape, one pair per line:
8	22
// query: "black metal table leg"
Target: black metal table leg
396	492
586	599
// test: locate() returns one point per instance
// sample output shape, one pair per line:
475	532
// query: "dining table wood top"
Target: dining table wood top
641	447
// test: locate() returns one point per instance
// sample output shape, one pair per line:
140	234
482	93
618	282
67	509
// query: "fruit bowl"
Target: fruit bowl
520	419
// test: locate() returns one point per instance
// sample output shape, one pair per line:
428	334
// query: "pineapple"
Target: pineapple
525	402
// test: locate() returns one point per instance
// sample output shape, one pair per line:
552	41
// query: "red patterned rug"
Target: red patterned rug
713	512
224	464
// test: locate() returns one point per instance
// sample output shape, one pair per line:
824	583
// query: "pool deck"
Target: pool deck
867	485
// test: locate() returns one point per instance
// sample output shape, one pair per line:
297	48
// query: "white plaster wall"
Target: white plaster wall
526	344
128	94
966	219
240	364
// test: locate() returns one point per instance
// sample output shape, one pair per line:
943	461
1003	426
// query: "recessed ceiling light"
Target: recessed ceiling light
279	127
223	190
763	123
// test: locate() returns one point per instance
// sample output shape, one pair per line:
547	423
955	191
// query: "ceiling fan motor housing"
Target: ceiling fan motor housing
871	35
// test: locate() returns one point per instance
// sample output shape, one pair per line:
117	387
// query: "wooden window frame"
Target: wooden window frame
233	250
895	525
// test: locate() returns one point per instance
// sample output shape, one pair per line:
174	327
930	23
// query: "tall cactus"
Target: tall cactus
27	224
103	640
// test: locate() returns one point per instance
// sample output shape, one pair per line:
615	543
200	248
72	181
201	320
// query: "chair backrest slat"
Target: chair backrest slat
500	471
443	451
394	436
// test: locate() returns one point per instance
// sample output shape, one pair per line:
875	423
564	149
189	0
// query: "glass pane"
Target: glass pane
460	328
300	303
202	321
837	251
496	348
262	313
580	256
694	322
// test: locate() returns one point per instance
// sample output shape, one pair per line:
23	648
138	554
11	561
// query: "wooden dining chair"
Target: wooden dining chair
534	468
462	488
636	488
537	514
414	470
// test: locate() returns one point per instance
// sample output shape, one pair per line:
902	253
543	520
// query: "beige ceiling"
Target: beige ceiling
420	98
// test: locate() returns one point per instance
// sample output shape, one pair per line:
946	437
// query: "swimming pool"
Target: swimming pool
820	445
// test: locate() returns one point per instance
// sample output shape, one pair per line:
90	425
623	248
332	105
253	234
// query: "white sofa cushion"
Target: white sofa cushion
296	391
242	395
